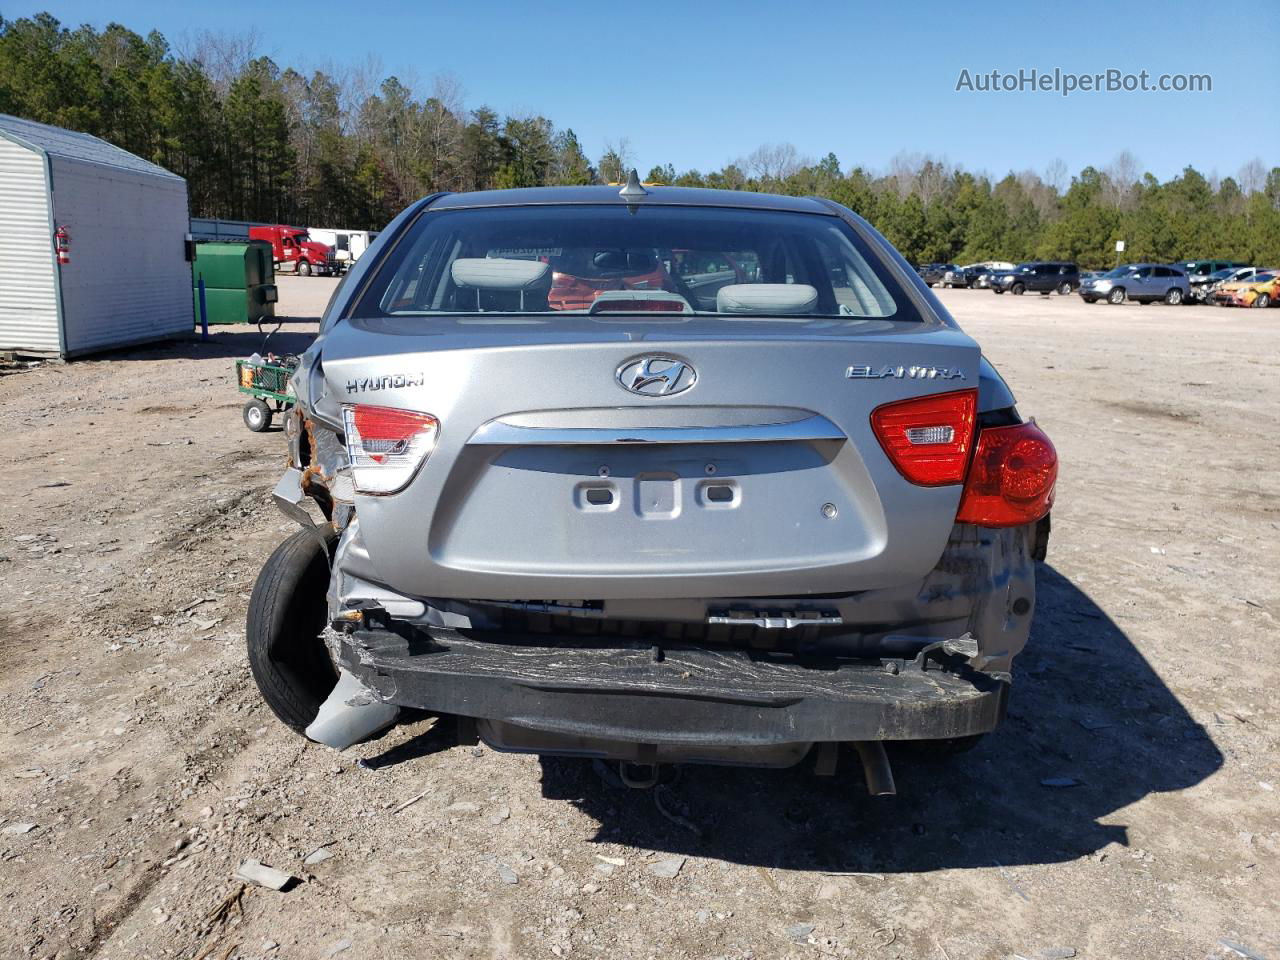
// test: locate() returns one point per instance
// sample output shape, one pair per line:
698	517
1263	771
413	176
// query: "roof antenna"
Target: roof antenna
633	190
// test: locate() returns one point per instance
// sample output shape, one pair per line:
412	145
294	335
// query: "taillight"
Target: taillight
1011	481
928	438
386	446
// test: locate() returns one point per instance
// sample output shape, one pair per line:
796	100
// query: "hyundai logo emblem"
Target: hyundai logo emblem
656	376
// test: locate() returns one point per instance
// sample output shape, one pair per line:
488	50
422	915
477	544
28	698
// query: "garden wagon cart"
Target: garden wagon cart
267	384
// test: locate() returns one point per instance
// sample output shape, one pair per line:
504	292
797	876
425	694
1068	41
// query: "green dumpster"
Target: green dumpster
239	281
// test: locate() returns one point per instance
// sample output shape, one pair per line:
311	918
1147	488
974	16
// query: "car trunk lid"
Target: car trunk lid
757	474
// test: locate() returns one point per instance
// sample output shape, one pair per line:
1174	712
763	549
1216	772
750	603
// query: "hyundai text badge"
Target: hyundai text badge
656	376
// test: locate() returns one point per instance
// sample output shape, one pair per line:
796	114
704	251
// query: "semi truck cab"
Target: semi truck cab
293	248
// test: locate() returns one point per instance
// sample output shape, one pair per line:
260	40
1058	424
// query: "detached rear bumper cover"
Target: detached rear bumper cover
691	696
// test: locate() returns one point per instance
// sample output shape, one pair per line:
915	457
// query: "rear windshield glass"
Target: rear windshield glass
609	259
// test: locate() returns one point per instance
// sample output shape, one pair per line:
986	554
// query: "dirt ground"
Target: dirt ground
139	766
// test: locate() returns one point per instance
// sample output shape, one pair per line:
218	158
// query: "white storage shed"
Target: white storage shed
127	279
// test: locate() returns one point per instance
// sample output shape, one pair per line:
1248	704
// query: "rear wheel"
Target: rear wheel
287	613
304	268
1017	289
1263	300
257	415
1116	295
1173	297
1065	289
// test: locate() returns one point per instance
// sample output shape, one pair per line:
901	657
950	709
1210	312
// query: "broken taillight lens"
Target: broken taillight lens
1012	479
928	438
386	446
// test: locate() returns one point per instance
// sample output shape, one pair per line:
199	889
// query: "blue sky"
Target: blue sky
702	83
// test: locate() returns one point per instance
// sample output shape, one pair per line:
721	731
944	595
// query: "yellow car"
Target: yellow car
1260	290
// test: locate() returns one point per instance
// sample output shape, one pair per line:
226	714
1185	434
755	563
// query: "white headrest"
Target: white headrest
767	298
495	273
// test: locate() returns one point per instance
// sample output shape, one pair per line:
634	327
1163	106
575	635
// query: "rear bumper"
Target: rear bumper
690	697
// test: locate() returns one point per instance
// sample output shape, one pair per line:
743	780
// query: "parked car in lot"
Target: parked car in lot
1141	282
1260	290
966	275
639	528
1198	270
1205	290
933	273
1038	276
988	269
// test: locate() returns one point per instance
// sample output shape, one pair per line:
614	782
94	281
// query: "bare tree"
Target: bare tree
447	90
444	116
1055	175
1252	176
1043	197
223	55
773	161
363	86
903	170
617	160
931	180
1122	175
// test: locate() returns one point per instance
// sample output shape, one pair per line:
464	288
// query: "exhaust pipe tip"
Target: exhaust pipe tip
876	768
639	776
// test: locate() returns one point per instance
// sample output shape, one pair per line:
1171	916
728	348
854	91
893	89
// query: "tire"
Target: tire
1017	289
1263	300
304	268
1065	289
1089	299
1116	296
287	613
257	415
1174	297
998	293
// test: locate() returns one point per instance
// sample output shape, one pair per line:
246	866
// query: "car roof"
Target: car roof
658	196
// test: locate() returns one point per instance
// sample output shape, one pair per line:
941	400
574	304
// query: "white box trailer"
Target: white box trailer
348	245
121	223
